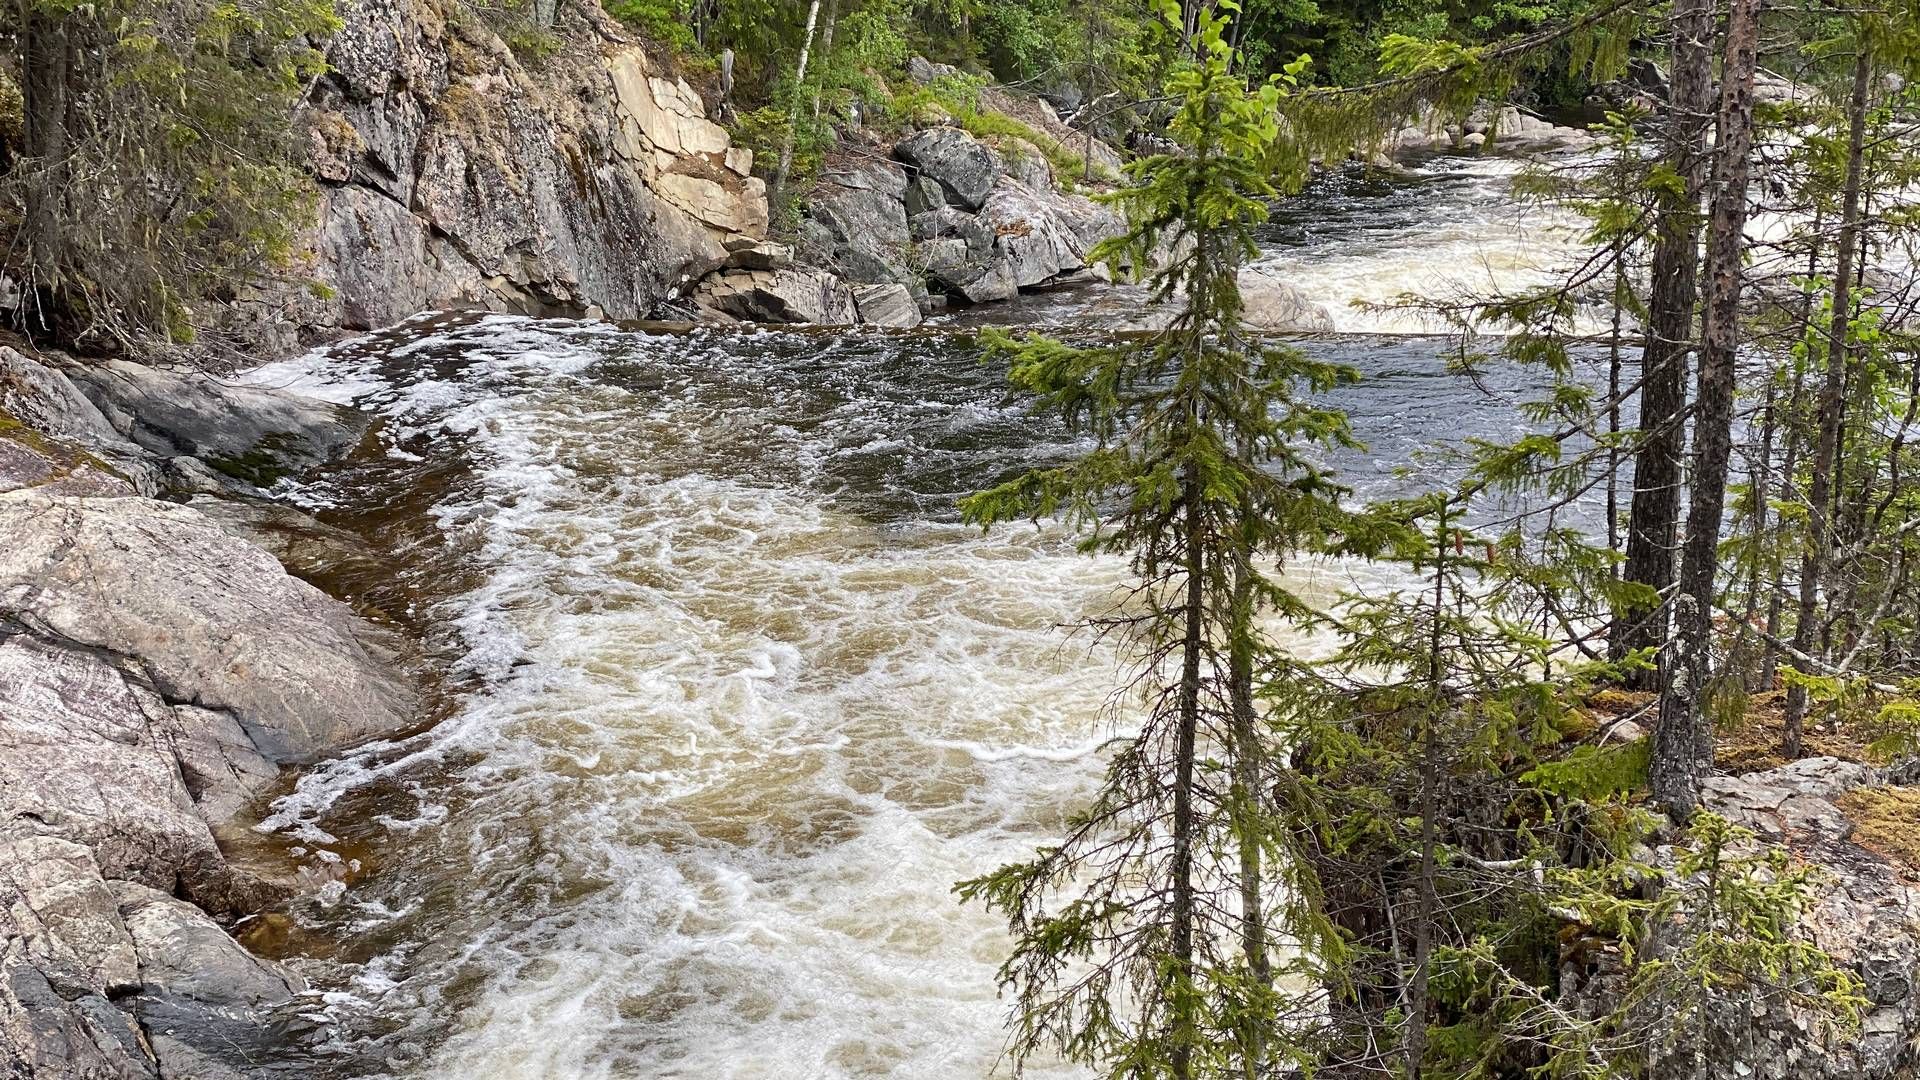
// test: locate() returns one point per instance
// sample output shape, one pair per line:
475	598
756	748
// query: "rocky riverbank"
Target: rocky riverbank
593	181
158	675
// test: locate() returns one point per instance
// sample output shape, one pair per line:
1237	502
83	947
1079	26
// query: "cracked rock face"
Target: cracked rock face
214	621
453	176
1865	915
964	167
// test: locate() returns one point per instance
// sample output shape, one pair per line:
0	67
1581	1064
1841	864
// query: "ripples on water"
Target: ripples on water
735	699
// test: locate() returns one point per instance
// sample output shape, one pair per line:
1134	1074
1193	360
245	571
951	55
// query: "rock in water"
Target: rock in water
250	433
185	955
963	166
1272	304
779	296
887	305
216	621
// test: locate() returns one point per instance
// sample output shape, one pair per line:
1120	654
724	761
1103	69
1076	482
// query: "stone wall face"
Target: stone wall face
452	175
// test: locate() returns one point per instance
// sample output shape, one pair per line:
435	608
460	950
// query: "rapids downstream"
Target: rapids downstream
735	699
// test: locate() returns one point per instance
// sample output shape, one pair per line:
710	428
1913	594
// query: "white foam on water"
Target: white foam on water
733	738
1476	239
734	747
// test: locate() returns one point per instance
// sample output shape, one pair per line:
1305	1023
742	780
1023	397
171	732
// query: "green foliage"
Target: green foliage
1124	955
665	21
181	175
1593	773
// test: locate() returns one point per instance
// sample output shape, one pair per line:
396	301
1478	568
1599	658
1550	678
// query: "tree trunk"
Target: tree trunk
1683	739
1248	755
47	57
1654	514
777	187
1832	390
1185	1032
1427	902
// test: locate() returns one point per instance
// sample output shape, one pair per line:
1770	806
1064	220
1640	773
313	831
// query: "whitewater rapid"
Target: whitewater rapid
734	699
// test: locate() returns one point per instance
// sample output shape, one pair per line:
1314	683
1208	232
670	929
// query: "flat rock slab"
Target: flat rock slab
215	621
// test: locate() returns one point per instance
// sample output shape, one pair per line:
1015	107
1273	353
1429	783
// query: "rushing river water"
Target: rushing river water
734	700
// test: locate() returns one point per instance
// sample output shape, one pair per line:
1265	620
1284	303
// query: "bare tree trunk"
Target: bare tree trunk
1654	517
778	186
1683	739
1427	901
1620	292
1760	490
47	58
1832	389
1790	463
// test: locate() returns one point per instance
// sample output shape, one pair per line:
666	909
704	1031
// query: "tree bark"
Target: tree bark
1248	756
1185	1033
1683	739
47	57
1654	514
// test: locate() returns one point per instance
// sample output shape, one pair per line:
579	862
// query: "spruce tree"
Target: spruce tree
1147	942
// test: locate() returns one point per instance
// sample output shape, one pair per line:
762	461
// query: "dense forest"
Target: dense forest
1475	834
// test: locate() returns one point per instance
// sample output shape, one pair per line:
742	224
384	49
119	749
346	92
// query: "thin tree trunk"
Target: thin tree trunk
47	56
785	166
1427	900
1248	754
1185	1033
1832	391
1760	490
1796	402
1620	288
1683	739
1654	517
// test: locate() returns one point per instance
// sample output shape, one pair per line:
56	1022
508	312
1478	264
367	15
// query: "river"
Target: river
732	698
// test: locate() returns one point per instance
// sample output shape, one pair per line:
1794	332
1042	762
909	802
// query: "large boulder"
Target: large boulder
251	433
1041	233
1274	305
779	296
213	620
861	207
887	305
963	166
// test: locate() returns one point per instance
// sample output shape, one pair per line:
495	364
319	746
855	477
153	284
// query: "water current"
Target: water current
732	697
